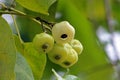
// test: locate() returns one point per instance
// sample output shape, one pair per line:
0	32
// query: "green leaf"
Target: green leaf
40	6
22	69
37	61
49	18
7	52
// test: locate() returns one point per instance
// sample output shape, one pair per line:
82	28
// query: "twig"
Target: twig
10	10
6	12
17	12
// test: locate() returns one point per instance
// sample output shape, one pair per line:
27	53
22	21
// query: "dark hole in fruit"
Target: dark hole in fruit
57	57
44	47
64	36
66	63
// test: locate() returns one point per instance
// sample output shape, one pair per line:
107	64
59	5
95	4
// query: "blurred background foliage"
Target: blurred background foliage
91	21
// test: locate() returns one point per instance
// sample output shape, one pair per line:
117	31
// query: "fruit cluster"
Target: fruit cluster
61	47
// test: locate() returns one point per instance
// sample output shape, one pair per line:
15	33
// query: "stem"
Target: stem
43	27
38	21
16	27
111	29
2	5
58	76
6	12
17	12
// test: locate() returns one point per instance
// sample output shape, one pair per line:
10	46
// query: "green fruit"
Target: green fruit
71	59
77	46
63	32
58	54
43	42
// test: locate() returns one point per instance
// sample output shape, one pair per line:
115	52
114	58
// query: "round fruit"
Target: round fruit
58	54
71	59
63	32
77	46
43	42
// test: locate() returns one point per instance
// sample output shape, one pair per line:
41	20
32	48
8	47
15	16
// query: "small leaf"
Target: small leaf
40	6
7	52
66	77
71	77
37	61
22	69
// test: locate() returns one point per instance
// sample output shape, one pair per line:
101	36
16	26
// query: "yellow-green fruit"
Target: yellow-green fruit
71	59
77	46
58	54
63	32
43	42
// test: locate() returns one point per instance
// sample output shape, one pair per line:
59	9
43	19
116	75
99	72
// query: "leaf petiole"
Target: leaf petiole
16	27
